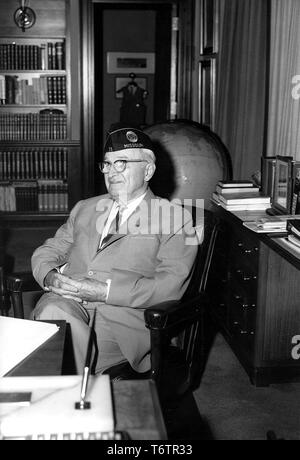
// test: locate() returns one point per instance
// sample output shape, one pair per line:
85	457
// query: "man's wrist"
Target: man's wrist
47	282
108	283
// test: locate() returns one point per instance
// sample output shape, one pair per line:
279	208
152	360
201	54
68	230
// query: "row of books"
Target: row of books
47	56
43	163
41	196
33	126
240	196
32	91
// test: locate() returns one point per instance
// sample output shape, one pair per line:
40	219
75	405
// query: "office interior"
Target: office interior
230	66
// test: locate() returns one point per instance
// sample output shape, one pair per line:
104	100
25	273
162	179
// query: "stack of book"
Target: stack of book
46	56
240	196
39	90
34	196
268	224
32	164
293	228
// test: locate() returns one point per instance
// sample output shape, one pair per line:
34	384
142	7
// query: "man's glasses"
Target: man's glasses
119	165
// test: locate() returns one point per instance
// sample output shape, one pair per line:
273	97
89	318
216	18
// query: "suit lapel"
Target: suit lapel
98	221
132	225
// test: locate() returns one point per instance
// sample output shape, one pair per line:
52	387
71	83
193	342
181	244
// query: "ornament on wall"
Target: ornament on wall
24	16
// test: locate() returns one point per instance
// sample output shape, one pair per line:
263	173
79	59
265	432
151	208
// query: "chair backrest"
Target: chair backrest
2	292
16	284
191	340
190	159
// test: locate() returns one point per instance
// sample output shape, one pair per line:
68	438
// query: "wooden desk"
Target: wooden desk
255	292
137	409
47	359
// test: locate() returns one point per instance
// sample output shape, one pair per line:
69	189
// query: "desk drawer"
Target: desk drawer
244	253
242	313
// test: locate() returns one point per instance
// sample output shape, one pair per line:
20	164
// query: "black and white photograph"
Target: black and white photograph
150	222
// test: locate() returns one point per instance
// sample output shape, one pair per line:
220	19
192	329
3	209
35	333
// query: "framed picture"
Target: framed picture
130	62
268	176
123	82
209	30
282	198
207	75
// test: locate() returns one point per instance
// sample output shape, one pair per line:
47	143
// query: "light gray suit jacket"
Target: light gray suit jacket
149	261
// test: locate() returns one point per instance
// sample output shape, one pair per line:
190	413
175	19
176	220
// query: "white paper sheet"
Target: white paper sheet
52	409
19	338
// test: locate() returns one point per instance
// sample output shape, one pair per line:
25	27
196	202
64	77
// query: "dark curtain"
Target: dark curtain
241	84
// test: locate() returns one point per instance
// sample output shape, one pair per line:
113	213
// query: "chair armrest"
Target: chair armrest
174	312
21	282
16	284
2	291
166	320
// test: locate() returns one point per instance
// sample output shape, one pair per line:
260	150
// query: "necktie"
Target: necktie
113	229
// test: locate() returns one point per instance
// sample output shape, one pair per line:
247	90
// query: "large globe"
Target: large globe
191	159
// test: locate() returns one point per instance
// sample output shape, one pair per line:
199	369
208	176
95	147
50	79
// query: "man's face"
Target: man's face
130	183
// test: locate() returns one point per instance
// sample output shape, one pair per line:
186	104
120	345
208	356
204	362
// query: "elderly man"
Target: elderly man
119	254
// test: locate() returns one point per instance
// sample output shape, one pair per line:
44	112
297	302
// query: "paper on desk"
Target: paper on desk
19	338
255	227
53	406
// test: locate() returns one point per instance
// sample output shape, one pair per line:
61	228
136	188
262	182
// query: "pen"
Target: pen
83	404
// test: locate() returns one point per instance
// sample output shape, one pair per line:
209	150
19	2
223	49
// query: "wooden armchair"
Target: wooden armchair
176	327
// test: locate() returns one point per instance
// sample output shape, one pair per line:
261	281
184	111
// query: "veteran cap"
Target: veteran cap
127	138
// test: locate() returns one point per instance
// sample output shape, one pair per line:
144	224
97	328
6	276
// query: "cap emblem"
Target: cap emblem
131	136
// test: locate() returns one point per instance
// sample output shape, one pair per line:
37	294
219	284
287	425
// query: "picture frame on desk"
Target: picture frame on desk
295	206
286	185
268	176
282	197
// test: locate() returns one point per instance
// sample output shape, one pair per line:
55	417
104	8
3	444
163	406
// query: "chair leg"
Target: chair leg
17	304
4	297
5	304
14	287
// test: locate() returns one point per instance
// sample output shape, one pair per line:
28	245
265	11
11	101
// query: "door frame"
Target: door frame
181	72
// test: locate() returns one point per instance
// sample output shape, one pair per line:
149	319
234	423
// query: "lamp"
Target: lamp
24	16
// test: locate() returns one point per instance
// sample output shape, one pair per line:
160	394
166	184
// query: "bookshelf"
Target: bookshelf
40	151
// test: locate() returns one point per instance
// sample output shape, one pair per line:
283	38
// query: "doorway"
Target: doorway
132	66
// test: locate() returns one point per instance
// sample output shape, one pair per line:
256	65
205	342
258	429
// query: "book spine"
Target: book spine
49	55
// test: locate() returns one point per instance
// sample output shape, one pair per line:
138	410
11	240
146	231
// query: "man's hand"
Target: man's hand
82	290
89	289
60	284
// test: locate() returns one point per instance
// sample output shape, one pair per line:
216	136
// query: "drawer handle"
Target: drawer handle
247	251
241	331
245	277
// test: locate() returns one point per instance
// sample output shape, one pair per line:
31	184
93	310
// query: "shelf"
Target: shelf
36	106
32	216
28	71
57	23
32	38
62	142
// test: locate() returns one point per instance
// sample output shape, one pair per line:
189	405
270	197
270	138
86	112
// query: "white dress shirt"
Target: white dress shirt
126	212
